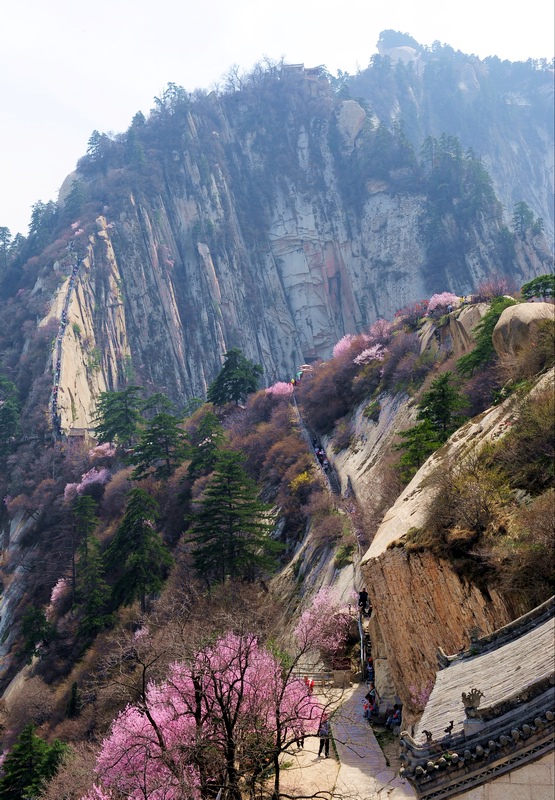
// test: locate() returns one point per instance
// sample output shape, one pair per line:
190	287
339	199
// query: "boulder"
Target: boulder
517	324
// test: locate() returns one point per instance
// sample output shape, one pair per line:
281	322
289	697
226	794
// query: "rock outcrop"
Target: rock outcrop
419	601
518	324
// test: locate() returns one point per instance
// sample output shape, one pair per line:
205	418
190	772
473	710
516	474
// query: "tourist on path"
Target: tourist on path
324	734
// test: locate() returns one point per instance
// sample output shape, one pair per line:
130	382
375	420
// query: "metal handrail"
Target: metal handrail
362	646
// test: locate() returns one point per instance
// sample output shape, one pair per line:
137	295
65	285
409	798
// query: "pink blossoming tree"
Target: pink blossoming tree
89	480
439	303
375	353
105	450
280	389
324	625
222	719
343	345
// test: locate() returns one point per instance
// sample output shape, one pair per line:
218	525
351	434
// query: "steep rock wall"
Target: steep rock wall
419	601
91	352
251	234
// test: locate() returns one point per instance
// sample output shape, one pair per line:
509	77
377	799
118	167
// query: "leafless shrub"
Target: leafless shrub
114	499
33	702
527	452
75	776
535	356
527	555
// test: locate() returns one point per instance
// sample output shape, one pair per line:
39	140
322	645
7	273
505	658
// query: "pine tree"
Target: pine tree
543	286
483	352
9	411
441	406
523	218
84	523
206	446
118	416
419	442
73	707
237	378
93	592
161	449
137	553
231	530
35	631
29	765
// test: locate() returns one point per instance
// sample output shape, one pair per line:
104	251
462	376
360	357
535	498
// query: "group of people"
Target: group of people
320	454
371	701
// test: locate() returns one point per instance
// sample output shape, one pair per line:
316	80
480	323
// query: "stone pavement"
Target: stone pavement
362	772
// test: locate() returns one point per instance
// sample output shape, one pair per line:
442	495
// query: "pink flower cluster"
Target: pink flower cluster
375	353
419	697
233	691
58	591
280	389
441	302
324	626
94	477
343	345
105	450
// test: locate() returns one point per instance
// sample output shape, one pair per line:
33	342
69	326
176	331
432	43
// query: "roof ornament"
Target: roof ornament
471	701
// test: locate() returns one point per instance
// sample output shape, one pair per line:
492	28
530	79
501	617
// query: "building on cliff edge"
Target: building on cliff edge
487	732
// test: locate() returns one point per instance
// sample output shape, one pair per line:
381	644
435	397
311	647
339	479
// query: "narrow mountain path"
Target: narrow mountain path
356	768
331	477
363	773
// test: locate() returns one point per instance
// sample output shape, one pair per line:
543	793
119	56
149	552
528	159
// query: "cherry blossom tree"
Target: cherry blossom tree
439	303
280	389
343	345
324	625
220	718
375	353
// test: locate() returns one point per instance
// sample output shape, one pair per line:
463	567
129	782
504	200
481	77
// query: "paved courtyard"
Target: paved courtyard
361	772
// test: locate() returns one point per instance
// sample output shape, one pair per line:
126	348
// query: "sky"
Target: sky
68	67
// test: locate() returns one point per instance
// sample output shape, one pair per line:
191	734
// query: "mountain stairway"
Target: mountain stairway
330	477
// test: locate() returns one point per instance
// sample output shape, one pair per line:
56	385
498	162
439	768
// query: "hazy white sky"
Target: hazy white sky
70	66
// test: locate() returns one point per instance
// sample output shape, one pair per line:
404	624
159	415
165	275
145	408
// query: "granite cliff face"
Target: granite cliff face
277	237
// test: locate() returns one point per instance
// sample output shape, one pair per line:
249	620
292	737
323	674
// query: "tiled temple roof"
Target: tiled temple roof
455	748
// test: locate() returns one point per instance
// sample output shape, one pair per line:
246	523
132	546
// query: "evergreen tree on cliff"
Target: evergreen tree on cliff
206	444
237	378
161	449
9	410
118	415
137	553
29	765
230	532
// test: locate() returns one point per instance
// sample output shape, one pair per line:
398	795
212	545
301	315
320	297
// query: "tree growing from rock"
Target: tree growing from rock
237	378
441	406
543	286
9	411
